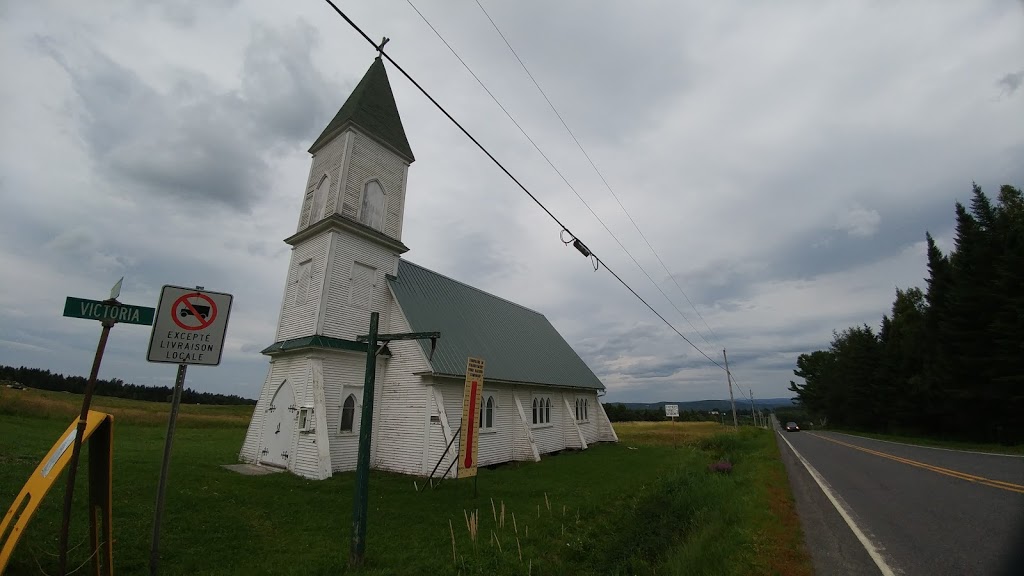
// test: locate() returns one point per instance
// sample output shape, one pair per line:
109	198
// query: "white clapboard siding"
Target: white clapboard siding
495	445
371	161
439	433
250	446
327	161
343	318
305	458
549	437
292	369
592	425
572	435
523	445
344	373
299	319
398	431
605	430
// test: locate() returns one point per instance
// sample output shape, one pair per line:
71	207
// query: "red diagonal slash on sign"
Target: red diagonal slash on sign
469	437
195	313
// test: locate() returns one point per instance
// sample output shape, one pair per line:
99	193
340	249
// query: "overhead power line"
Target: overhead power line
575	240
559	172
603	179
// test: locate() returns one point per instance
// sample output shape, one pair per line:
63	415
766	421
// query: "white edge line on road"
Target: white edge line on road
923	446
868	545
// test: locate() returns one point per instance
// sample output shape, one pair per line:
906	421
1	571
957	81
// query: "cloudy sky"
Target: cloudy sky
783	159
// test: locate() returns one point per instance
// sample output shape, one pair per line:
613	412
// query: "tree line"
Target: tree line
621	413
947	361
46	380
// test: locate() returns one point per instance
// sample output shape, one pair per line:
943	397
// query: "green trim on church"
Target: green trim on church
317	341
371	107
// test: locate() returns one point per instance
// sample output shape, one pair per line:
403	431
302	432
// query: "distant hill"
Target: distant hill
709	405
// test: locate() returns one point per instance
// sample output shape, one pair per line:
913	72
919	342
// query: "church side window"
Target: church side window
372	211
487	413
542	410
348	413
361	291
302	282
320	200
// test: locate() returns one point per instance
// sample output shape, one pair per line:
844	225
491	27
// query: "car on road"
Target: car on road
792	427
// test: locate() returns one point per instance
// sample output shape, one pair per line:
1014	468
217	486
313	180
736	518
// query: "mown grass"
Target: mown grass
646	505
953	444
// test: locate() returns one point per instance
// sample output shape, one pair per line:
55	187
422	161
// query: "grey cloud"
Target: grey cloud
197	143
638	69
183	12
1010	83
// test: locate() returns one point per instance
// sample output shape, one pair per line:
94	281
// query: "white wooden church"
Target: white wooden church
539	396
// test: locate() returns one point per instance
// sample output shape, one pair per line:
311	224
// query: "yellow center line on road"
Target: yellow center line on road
954	473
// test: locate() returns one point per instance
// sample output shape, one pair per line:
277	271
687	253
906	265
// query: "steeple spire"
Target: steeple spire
371	107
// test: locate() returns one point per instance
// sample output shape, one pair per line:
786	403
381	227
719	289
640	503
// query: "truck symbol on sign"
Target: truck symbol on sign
203	311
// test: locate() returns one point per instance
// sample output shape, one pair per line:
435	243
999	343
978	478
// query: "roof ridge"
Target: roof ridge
484	292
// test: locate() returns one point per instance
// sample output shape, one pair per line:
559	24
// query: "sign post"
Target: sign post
108	312
374	344
189	328
672	411
471	394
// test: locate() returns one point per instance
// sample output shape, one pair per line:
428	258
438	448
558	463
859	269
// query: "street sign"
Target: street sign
108	310
470	411
672	410
190	326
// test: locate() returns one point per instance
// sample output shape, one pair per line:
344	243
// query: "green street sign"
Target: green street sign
115	311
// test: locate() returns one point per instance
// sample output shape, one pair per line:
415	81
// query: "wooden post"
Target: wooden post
728	377
361	496
360	501
76	451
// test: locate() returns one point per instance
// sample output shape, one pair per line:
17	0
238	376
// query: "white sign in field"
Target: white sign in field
189	327
672	410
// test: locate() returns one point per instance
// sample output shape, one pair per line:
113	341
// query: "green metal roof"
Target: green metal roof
516	343
317	341
372	108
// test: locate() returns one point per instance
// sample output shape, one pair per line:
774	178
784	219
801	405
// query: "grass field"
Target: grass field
647	505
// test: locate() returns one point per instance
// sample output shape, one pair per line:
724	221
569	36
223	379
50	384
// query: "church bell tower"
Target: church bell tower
347	239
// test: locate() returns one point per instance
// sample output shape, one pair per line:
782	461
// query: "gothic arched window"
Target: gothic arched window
372	211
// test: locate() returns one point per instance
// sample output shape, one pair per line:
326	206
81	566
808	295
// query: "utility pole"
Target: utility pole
728	378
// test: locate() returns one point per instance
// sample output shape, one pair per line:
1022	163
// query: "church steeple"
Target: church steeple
371	107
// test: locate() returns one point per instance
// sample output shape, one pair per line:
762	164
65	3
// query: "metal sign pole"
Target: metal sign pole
76	451
154	552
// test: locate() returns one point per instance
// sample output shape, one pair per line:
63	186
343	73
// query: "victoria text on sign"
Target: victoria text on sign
116	312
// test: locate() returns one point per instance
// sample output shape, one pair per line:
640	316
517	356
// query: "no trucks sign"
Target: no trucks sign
190	326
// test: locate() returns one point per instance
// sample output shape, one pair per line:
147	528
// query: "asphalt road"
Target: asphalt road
917	510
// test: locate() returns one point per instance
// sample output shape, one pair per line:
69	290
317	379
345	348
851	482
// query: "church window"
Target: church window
487	413
320	199
361	291
372	211
348	412
542	410
302	282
